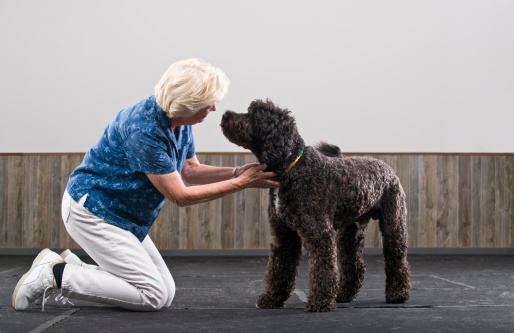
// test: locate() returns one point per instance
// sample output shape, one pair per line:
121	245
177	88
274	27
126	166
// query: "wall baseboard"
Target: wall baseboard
259	252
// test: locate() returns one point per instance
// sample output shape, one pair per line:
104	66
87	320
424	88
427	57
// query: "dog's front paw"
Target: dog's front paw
345	297
398	297
319	306
266	302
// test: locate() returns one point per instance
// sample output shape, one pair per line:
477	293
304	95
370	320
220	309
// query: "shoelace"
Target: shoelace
45	298
64	300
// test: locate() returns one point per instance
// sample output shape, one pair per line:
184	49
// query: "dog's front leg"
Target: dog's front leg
319	240
284	258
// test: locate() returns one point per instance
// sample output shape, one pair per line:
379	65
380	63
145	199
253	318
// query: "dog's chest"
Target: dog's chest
275	199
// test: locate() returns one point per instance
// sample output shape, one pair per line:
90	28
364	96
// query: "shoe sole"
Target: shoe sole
35	263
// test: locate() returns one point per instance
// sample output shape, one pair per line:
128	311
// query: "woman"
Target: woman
113	197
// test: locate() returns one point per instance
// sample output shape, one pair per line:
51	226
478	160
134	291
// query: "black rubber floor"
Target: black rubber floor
217	294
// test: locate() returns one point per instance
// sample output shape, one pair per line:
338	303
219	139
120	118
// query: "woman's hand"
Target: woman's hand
252	176
240	170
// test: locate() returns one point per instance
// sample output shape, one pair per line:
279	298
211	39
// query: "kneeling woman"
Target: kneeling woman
113	197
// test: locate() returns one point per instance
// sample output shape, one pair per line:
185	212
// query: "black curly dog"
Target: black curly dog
325	203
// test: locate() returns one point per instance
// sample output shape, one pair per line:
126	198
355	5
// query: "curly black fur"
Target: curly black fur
324	203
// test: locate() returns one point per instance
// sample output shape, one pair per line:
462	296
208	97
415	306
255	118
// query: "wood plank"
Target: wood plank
69	163
427	200
189	227
373	236
14	201
159	232
209	219
174	230
41	219
442	201
265	233
464	201
476	199
500	230
509	200
228	210
239	222
29	202
252	207
55	219
411	164
487	218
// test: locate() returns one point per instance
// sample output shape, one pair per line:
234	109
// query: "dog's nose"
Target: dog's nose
224	117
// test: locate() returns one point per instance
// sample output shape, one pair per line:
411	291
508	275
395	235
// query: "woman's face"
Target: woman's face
196	118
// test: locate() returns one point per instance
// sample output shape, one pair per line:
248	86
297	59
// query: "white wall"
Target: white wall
370	76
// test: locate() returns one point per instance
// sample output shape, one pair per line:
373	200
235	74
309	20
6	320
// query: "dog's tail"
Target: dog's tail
328	150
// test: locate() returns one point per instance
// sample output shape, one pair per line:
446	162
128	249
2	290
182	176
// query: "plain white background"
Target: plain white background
369	76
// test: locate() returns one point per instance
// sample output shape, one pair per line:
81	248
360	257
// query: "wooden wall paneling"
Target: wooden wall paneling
252	208
465	203
4	227
228	210
487	217
427	201
509	200
454	200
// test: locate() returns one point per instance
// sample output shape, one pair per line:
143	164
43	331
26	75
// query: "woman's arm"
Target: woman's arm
173	188
195	173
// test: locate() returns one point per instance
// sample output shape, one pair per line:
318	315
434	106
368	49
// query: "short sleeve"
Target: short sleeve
147	153
191	148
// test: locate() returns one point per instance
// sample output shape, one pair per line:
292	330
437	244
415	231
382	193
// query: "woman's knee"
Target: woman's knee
156	296
171	293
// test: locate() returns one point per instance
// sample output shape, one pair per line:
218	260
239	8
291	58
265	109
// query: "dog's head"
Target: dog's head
268	131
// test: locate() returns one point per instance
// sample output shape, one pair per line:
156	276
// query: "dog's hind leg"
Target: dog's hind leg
393	225
350	245
318	237
284	258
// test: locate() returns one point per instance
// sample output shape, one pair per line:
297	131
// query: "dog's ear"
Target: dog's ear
282	135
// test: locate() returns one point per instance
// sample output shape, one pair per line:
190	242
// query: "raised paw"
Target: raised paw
266	302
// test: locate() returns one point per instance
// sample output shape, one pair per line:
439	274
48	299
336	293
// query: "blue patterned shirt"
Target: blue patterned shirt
139	140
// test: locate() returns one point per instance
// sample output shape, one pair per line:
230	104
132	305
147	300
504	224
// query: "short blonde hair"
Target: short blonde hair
189	86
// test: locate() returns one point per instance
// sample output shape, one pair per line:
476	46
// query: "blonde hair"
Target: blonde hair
189	86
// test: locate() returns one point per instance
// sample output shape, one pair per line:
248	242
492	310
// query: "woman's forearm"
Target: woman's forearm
205	174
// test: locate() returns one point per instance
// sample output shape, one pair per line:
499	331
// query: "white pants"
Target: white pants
131	274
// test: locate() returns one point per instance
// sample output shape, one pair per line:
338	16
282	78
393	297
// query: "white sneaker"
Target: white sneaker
44	257
71	258
35	283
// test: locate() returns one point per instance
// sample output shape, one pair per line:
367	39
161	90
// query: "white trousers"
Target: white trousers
130	274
